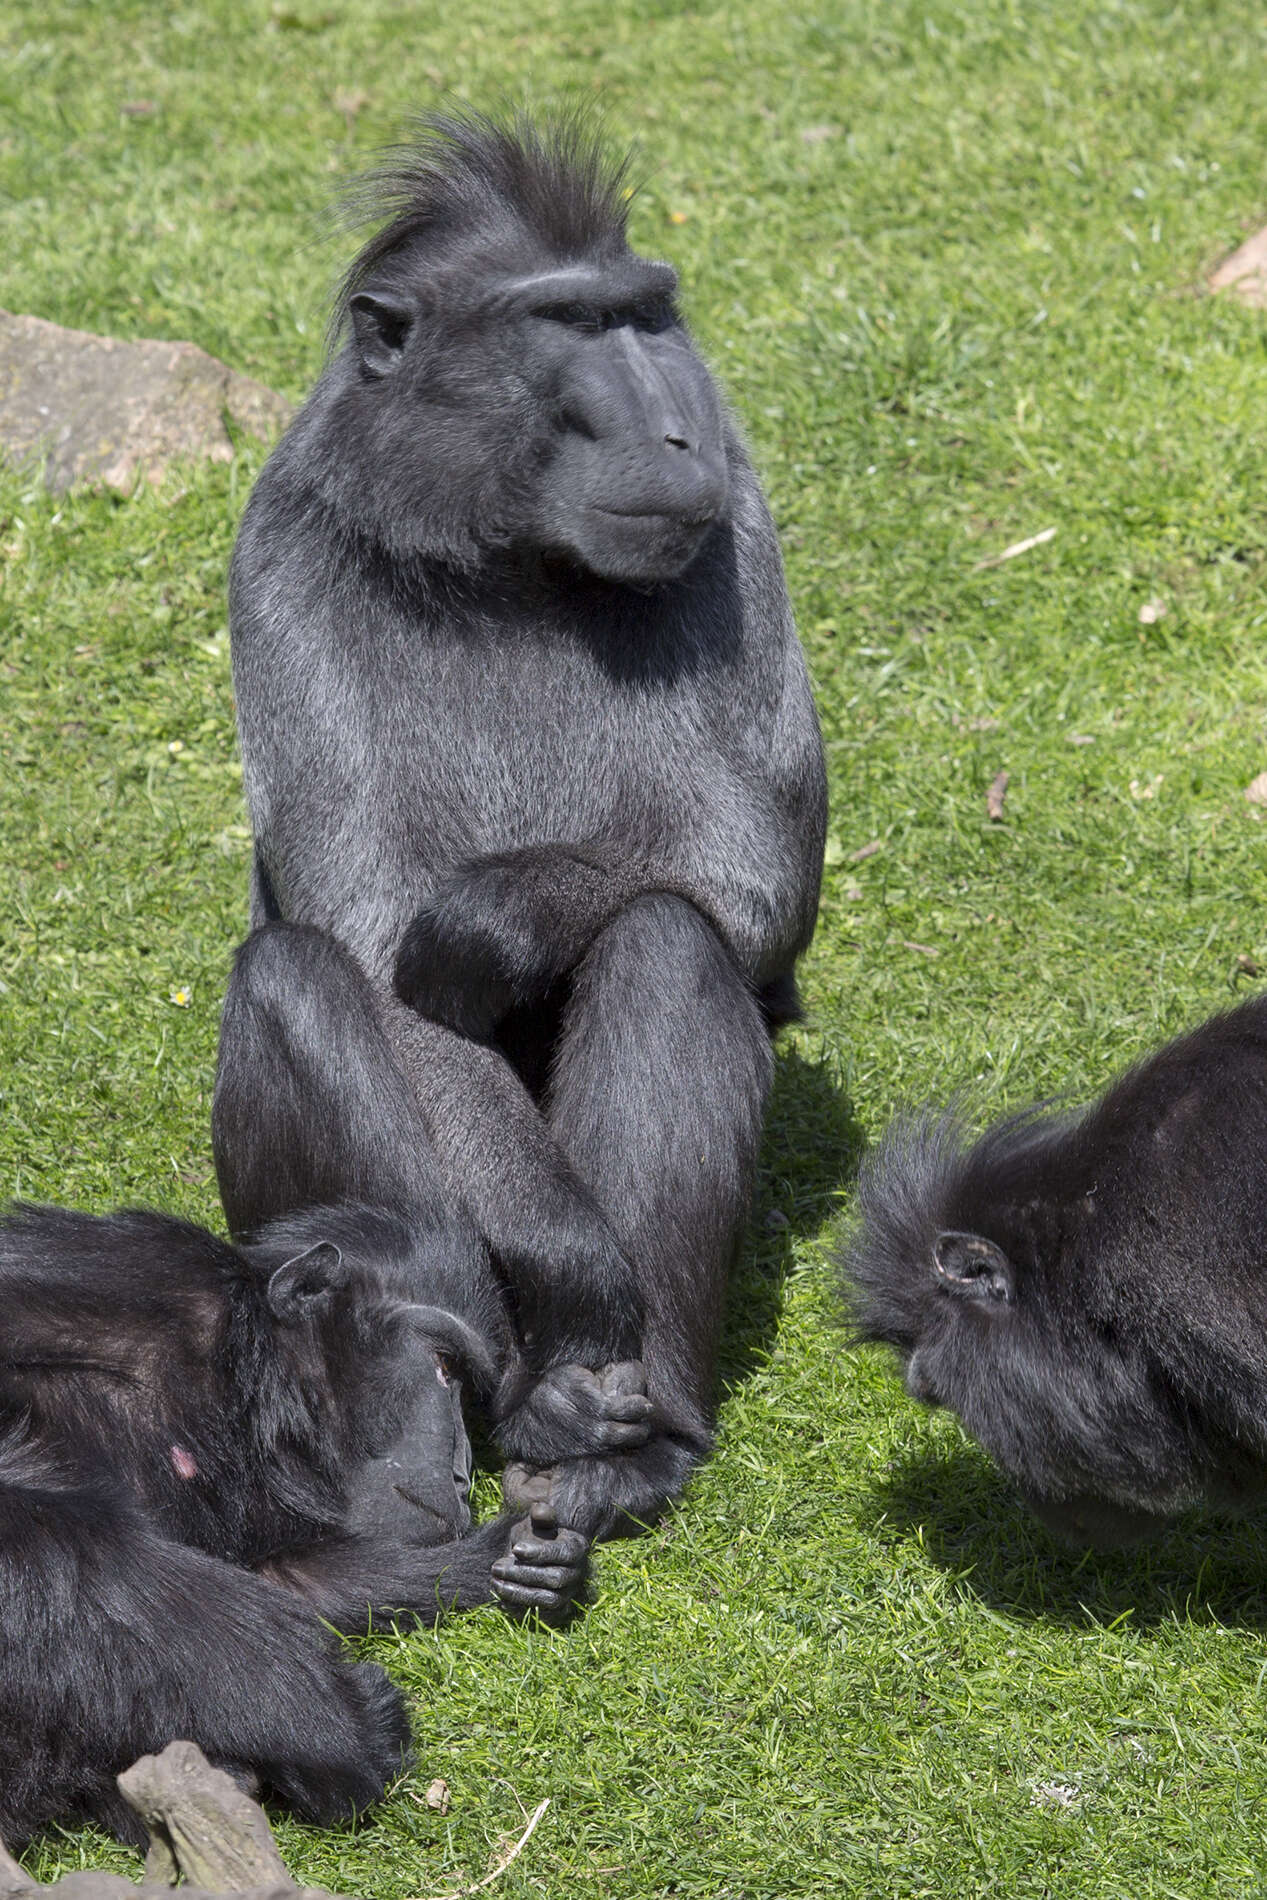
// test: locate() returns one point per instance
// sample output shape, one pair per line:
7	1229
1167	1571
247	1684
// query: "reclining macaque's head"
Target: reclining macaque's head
387	1375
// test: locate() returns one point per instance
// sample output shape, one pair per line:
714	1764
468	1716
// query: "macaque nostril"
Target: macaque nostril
677	442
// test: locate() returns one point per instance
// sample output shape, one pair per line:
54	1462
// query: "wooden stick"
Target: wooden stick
12	1878
201	1825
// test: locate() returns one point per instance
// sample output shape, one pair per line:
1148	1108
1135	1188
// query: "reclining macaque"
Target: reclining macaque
209	1452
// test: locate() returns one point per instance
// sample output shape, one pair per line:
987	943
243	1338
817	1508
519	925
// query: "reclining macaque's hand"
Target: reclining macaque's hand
545	1568
572	1412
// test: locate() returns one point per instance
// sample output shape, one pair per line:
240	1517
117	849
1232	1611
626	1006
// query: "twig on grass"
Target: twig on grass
1017	547
509	1853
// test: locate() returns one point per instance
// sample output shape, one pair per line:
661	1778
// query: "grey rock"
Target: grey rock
96	409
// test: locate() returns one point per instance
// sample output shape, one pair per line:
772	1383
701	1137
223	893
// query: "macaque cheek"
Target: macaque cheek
919	1383
184	1463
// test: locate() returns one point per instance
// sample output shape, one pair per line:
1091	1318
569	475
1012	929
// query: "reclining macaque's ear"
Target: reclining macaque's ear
380	327
973	1268
309	1276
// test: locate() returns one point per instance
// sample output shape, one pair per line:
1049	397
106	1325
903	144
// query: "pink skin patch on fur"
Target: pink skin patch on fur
183	1462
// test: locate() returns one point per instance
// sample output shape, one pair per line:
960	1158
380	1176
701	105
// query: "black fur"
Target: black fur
556	191
133	1342
190	1443
207	1452
1089	1293
526	727
344	1139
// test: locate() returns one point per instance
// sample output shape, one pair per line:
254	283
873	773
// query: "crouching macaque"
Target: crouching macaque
1089	1293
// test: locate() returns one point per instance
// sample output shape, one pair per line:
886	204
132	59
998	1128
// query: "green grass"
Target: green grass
944	257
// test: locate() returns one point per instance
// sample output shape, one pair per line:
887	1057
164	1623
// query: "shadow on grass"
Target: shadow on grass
810	1151
973	1525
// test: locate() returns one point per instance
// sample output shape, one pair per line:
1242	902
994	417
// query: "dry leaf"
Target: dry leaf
1151	612
1246	966
1256	790
349	100
138	108
994	798
925	949
1244	273
437	1796
866	851
1055	1794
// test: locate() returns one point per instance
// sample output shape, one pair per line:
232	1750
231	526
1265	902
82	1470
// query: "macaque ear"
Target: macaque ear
380	326
309	1277
973	1268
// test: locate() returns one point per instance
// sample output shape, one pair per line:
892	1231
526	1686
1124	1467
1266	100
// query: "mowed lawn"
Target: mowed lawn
948	259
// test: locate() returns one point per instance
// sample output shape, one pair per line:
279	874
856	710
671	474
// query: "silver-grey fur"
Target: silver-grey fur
509	588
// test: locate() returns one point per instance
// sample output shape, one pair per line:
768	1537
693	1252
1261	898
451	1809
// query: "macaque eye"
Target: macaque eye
653	317
650	316
446	1370
586	317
